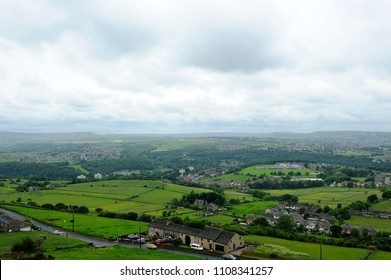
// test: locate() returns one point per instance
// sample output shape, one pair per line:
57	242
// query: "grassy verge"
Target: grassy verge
63	248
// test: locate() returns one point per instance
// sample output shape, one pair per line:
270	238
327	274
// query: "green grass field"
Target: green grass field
330	196
383	206
120	196
288	249
253	172
256	208
86	224
63	248
379	224
267	170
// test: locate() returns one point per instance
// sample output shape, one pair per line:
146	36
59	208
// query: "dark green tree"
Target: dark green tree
372	198
285	222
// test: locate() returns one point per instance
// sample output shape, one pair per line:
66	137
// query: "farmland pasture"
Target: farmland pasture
253	172
267	170
378	223
330	196
86	224
120	196
300	250
256	208
384	205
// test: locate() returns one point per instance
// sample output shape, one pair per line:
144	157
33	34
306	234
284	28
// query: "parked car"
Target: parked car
151	246
133	236
59	232
229	257
196	246
159	241
140	240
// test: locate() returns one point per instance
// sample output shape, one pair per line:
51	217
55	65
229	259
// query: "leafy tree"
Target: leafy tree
48	206
177	220
133	216
372	198
60	207
336	230
386	194
285	222
83	210
261	221
145	218
29	249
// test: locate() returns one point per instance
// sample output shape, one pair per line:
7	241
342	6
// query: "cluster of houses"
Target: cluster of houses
231	185
371	214
47	187
349	229
317	222
302	215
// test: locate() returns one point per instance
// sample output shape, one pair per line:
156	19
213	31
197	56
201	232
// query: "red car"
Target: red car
159	241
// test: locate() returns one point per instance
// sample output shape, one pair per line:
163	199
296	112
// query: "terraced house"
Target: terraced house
210	238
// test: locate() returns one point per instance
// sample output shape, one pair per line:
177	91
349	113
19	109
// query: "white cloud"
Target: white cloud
194	66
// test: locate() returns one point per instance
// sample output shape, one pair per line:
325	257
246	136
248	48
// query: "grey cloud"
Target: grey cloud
232	50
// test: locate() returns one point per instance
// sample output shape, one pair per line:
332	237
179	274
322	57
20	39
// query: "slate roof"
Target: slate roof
6	220
216	234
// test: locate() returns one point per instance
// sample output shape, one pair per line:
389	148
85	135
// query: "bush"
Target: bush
83	210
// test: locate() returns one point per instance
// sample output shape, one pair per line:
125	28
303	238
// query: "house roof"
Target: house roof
6	220
216	234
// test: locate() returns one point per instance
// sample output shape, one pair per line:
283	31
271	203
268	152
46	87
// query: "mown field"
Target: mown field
256	208
330	196
121	196
253	172
383	206
85	224
63	248
269	247
378	223
269	170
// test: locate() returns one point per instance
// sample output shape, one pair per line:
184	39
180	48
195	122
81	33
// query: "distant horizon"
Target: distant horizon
197	133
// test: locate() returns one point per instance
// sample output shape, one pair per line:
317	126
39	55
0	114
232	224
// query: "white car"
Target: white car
196	246
58	232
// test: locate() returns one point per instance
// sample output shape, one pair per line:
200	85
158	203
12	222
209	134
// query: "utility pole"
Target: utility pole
321	252
139	230
73	220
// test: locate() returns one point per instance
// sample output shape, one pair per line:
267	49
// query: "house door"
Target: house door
187	240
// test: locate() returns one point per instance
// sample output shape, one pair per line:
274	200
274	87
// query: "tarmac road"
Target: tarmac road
100	242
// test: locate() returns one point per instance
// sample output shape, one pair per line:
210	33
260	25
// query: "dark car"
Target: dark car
229	257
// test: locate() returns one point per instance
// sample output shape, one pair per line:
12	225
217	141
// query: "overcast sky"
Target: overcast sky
175	66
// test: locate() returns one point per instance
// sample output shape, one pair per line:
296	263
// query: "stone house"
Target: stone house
8	224
210	238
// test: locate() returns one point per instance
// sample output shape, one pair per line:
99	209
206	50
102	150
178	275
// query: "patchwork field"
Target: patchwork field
269	247
120	196
379	224
330	196
253	172
269	170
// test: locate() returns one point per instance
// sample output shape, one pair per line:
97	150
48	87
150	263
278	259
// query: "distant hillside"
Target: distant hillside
12	138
